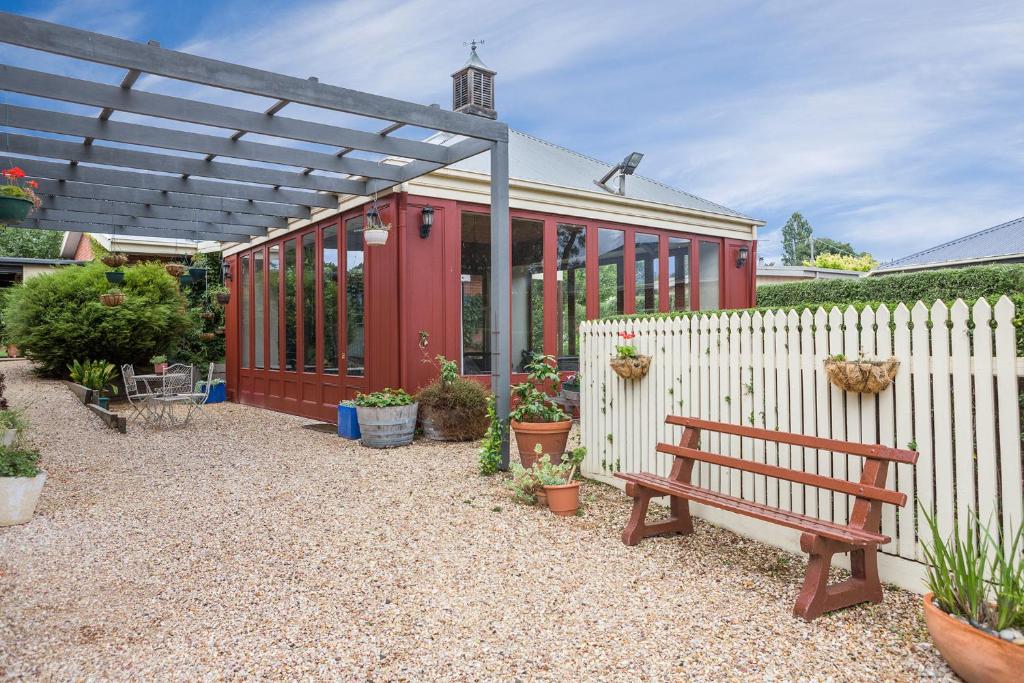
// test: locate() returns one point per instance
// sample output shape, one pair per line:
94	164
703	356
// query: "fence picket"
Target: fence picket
746	400
822	392
757	411
942	417
734	395
963	411
904	429
771	402
984	411
886	423
838	405
1012	495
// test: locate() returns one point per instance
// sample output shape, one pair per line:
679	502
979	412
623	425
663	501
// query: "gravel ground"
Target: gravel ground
248	546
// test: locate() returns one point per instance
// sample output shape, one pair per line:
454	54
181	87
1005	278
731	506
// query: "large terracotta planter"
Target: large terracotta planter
550	435
974	655
564	500
18	498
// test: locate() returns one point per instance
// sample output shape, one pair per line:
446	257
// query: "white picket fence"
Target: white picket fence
955	399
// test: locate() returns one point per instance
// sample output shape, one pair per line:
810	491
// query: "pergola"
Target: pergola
191	194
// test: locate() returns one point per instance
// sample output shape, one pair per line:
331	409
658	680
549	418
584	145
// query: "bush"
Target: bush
57	318
385	398
968	284
456	406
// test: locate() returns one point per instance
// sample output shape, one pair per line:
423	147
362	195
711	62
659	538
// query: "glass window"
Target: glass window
309	303
257	300
476	293
527	291
274	305
355	305
244	322
291	269
611	271
329	331
645	261
572	292
678	274
708	265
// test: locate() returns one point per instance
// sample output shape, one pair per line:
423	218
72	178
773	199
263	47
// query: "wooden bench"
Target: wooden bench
821	539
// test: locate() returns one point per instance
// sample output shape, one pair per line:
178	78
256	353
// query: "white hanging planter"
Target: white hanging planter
375	236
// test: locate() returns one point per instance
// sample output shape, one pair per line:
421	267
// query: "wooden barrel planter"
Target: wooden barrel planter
861	376
631	368
387	427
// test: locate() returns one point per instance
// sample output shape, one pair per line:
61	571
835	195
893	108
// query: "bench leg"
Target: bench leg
817	596
637	526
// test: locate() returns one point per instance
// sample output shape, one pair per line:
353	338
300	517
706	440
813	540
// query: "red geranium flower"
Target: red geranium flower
14	173
32	184
627	335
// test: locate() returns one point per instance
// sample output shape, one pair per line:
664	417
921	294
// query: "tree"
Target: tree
796	240
24	243
827	245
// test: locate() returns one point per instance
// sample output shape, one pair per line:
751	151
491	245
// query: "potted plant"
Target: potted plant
218	390
376	232
17	196
536	419
221	294
175	269
159	364
975	608
348	420
12	426
628	363
113	297
862	376
571	388
207	336
219	331
208	315
562	493
99	375
387	418
21	483
453	408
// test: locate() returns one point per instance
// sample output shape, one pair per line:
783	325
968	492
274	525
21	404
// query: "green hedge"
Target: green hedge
968	284
57	318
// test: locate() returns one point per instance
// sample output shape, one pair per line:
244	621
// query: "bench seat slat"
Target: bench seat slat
808	478
875	451
793	520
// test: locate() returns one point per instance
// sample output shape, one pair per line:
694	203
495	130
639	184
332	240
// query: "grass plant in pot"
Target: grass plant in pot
387	418
536	420
453	408
98	375
21	483
975	607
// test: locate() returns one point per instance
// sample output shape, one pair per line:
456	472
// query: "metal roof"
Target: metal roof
537	160
999	242
19	261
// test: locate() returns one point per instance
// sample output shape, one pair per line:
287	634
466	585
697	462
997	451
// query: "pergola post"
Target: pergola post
501	297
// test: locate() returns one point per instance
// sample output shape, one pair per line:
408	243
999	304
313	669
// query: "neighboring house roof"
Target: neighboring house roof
1001	242
806	272
155	246
540	161
18	261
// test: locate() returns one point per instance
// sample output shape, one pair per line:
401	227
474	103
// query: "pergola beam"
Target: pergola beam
459	151
85	218
29	118
147	211
71	42
265	210
168	183
149	161
66	89
130	230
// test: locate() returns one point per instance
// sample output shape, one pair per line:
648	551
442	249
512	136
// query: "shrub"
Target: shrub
456	406
968	284
843	262
16	461
57	318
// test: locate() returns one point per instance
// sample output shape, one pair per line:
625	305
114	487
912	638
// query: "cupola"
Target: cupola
473	86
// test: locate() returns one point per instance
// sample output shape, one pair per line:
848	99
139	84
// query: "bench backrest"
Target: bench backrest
870	489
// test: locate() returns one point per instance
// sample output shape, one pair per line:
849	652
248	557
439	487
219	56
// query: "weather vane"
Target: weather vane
472	44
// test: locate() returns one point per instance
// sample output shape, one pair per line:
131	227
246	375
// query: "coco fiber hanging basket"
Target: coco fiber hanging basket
631	368
862	376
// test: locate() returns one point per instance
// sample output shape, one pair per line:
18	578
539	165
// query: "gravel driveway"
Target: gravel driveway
248	546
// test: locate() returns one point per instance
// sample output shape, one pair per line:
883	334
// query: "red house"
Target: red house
316	314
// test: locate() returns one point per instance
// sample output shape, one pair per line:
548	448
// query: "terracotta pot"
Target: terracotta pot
160	368
974	655
12	350
550	435
564	500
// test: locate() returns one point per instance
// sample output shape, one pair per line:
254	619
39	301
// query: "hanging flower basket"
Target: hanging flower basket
220	331
631	368
197	273
375	233
223	298
113	298
207	315
115	277
114	260
175	269
207	336
14	208
17	196
861	376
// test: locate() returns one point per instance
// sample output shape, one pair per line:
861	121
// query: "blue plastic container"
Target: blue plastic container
348	421
218	392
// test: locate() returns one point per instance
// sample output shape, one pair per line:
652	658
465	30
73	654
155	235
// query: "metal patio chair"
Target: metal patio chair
175	390
140	401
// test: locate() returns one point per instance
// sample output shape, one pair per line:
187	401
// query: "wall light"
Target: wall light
427	220
741	259
225	269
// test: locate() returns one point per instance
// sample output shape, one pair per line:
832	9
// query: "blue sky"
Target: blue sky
893	126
